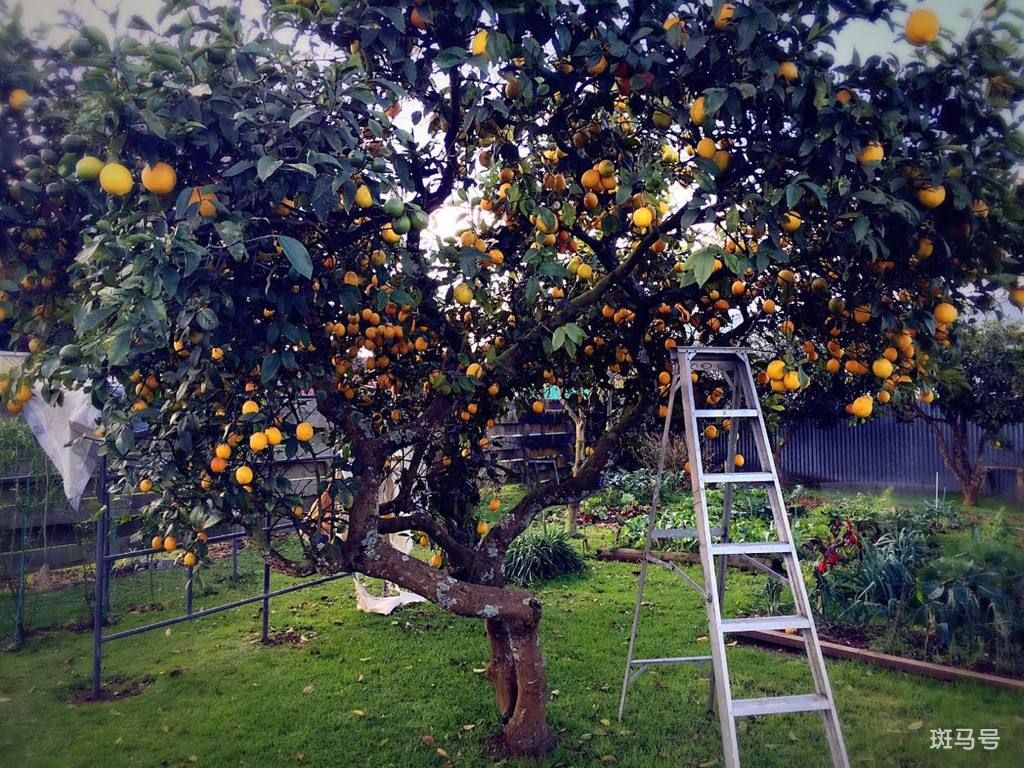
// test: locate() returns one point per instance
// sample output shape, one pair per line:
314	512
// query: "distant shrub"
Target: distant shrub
540	556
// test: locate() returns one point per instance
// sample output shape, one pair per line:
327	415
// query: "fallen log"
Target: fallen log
627	555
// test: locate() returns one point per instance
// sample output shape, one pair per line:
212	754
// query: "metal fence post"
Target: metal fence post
188	591
234	560
19	604
266	584
97	620
103	496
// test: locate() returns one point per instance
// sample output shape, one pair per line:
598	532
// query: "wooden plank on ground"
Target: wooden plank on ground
899	663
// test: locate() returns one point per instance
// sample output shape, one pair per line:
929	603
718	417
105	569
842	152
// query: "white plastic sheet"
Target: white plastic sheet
64	433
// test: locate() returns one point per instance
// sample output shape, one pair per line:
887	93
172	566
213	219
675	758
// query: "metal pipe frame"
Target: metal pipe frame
105	560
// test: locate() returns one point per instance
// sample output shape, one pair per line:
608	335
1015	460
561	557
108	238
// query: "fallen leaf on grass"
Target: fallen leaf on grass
441	752
605	721
916	725
358	713
308	689
427	740
469	726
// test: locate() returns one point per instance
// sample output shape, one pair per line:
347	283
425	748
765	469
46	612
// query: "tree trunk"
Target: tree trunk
571	516
777	446
970	488
511	616
520	683
954	452
579	448
502	668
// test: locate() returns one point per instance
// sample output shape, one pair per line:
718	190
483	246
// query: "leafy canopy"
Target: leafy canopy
635	177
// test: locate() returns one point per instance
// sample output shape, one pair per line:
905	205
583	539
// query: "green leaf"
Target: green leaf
548	219
532	289
558	338
96	36
297	255
166	61
94	318
231	235
300	114
304	167
154	123
702	263
137	22
240	167
266	166
271	365
120	343
714	98
732	219
860	228
207	319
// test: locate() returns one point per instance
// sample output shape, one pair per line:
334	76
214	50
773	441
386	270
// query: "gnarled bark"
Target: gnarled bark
526	730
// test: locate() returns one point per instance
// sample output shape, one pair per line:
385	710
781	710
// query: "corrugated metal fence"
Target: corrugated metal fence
886	452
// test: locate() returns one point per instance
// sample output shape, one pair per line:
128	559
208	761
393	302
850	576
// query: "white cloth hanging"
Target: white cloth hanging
64	432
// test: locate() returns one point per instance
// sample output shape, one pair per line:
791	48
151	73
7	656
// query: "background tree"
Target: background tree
981	382
217	225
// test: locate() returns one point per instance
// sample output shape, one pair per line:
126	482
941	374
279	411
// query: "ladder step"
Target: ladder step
722	478
752	548
726	413
778	705
764	623
681	533
670	660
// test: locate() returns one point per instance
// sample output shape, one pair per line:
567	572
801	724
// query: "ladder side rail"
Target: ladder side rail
652	516
812	645
730	467
716	639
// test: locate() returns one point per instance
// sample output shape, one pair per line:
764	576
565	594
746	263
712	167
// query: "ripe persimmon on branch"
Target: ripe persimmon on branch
218	233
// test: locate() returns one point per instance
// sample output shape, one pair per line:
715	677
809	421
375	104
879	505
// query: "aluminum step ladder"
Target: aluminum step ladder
731	366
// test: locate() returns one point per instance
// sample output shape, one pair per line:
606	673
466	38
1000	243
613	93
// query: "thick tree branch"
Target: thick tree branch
458	552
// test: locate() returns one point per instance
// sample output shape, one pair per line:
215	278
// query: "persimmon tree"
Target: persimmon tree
215	224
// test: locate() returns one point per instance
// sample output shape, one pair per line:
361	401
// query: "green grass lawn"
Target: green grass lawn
364	690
